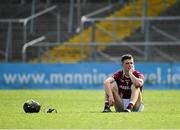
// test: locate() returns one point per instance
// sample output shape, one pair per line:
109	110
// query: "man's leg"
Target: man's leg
135	100
139	106
106	104
118	103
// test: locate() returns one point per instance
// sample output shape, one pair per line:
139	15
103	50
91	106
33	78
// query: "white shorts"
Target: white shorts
126	102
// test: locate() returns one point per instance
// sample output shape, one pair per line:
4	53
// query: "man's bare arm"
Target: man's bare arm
136	81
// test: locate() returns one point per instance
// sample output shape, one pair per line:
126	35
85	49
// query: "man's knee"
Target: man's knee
114	87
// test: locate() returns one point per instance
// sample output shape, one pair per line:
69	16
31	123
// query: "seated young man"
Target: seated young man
123	89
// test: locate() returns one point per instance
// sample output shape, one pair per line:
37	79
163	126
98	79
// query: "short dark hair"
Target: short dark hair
125	57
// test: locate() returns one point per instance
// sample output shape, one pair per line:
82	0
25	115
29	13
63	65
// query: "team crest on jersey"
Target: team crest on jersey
127	81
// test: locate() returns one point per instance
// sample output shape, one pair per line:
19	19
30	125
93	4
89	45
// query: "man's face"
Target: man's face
128	64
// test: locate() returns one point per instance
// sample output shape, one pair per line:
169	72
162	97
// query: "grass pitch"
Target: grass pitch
82	109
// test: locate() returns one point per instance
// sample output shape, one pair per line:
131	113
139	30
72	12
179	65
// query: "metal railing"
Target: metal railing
23	21
144	26
26	20
29	44
124	47
145	50
149	27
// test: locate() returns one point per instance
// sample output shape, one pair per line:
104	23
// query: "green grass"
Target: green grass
82	109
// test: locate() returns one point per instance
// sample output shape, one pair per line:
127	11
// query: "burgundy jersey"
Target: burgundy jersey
124	83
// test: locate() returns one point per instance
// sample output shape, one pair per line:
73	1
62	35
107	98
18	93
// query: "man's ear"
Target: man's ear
122	63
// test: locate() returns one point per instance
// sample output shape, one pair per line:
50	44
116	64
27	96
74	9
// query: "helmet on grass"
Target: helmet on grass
31	106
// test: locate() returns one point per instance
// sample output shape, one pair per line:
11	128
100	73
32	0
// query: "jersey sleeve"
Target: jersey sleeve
116	76
139	75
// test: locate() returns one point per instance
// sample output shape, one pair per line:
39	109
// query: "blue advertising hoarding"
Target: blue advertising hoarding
83	75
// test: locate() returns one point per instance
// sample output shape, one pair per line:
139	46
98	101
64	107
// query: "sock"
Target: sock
106	101
130	106
107	105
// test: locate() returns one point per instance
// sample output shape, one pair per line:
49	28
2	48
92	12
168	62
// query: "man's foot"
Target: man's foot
127	110
106	109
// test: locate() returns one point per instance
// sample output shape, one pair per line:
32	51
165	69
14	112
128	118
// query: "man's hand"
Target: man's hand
131	70
136	81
